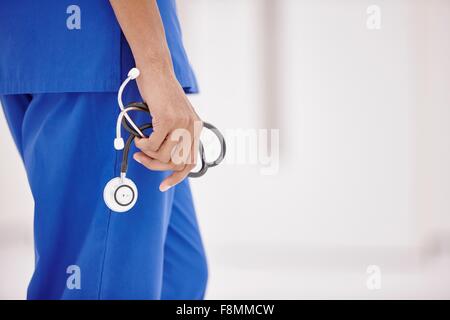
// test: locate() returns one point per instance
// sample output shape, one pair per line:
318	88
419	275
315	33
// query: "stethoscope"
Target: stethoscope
120	193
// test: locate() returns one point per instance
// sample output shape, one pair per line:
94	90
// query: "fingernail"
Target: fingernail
136	157
164	187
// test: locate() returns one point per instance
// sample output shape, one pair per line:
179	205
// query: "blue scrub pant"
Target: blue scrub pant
82	249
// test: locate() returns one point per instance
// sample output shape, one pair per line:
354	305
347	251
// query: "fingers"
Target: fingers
156	165
174	149
180	154
152	143
175	178
180	171
162	127
164	154
171	148
179	176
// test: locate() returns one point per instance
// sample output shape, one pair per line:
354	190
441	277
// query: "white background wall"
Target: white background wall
350	103
364	139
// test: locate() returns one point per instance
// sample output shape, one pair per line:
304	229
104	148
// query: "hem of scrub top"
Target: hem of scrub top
15	87
10	88
188	81
190	90
189	84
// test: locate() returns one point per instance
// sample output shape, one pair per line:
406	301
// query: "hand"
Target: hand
174	141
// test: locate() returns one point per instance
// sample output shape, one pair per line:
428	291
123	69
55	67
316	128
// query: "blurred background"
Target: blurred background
360	204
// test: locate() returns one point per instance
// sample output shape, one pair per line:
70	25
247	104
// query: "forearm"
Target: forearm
169	107
142	26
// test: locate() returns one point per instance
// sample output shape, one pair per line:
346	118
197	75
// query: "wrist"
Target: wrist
156	81
156	76
155	63
156	73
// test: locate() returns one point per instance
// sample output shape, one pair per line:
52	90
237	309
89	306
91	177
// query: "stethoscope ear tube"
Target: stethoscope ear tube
204	167
223	145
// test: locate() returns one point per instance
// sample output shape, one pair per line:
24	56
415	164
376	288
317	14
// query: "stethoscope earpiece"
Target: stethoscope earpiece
120	194
134	73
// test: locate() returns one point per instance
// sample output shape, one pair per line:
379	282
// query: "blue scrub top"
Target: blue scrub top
39	53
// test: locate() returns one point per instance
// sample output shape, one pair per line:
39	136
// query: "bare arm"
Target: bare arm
141	24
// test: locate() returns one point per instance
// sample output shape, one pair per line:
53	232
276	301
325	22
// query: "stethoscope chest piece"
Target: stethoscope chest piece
120	194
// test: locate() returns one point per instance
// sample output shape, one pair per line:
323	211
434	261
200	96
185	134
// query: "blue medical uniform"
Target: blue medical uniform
58	91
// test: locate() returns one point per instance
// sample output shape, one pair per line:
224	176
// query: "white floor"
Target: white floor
325	273
289	274
229	283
